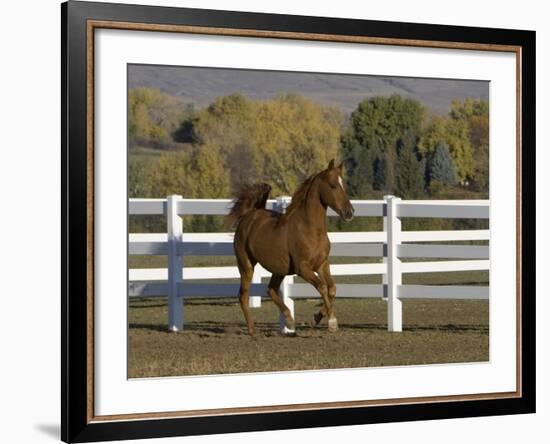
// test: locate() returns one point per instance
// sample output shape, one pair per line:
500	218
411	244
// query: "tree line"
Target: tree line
391	145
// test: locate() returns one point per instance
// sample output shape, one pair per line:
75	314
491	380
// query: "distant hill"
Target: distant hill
201	86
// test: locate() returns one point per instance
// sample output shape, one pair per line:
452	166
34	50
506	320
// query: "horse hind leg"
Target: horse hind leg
273	292
246	270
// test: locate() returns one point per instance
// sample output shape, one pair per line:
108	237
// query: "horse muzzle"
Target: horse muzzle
347	213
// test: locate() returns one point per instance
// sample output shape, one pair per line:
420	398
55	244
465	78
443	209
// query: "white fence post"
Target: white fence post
282	203
175	264
393	273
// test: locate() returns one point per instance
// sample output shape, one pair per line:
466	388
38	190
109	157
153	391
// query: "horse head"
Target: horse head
333	192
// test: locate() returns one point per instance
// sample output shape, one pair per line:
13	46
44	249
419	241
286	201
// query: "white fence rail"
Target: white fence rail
392	244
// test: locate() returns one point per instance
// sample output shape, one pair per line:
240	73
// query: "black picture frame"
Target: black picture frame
77	425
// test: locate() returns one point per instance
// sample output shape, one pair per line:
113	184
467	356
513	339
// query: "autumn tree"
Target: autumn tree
468	108
476	113
281	141
154	116
199	174
138	169
196	174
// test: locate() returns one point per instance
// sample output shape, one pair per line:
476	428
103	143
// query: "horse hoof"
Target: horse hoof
290	324
332	325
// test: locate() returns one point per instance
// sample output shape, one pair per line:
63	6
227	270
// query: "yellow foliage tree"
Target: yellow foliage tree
153	116
198	174
281	141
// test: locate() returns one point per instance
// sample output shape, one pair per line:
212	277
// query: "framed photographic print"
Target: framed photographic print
276	221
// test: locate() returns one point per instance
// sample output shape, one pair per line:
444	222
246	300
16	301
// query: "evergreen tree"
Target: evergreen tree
441	166
409	180
380	173
357	160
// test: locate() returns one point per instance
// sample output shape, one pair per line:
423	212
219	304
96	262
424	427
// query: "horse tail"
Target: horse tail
247	199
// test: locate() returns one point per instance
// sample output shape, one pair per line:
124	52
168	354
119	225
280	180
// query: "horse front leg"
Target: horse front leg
324	273
320	285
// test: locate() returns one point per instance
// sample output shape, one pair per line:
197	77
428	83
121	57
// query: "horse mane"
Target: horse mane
300	195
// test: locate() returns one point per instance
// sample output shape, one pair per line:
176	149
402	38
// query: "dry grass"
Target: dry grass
215	339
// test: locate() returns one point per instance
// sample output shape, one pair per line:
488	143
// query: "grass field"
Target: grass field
215	339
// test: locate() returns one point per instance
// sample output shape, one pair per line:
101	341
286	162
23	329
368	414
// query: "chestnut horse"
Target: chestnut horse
292	243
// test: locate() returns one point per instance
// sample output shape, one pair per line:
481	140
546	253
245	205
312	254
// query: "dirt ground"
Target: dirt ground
215	340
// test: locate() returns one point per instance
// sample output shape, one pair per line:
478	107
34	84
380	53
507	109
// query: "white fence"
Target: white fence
392	244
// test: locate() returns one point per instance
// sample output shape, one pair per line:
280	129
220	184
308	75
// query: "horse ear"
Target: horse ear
340	166
330	164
